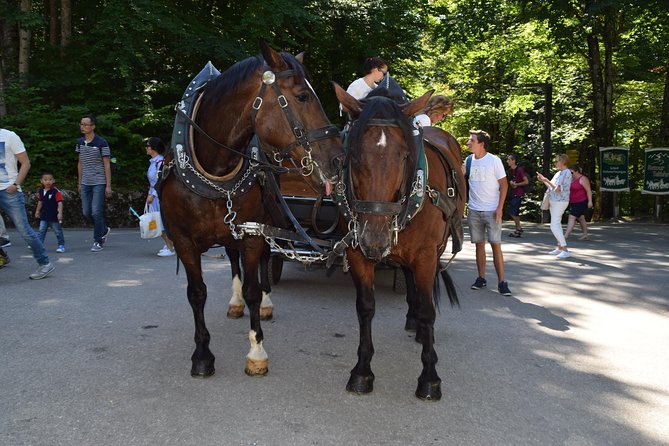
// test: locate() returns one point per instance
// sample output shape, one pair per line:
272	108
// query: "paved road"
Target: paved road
99	352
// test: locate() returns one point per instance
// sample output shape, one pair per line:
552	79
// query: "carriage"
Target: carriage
241	133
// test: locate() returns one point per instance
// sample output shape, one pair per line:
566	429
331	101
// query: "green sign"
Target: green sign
656	175
614	169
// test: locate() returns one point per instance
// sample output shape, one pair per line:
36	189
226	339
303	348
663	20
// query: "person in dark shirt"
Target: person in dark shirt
94	170
50	209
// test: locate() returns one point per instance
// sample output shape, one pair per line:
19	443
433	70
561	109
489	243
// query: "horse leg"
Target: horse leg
236	304
202	358
410	324
429	383
256	360
362	271
266	306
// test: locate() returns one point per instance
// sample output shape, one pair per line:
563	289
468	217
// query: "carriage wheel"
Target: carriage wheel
275	269
399	281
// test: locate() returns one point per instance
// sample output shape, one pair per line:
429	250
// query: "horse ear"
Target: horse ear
416	105
300	58
350	104
273	59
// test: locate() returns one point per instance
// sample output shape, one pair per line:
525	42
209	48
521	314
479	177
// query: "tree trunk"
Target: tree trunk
664	122
24	46
65	22
53	22
3	105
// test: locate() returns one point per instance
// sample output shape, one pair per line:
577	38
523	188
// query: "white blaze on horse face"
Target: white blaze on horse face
382	140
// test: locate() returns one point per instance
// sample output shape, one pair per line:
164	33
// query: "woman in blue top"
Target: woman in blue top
155	149
558	188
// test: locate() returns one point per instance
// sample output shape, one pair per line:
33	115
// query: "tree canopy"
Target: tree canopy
128	62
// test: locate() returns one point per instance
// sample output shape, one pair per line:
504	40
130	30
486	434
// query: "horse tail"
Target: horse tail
450	288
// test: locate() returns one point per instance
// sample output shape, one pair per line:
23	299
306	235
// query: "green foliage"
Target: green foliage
130	60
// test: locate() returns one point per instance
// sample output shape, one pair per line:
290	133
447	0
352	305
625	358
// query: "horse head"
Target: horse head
380	166
292	120
269	96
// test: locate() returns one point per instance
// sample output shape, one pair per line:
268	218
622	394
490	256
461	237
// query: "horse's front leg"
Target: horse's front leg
362	271
256	360
410	324
236	304
429	383
266	306
202	358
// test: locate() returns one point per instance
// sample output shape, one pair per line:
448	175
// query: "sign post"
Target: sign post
656	175
614	173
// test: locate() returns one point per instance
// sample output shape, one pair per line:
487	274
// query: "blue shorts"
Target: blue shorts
578	209
482	222
514	205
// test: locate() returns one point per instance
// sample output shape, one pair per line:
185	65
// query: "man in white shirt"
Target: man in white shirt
487	192
12	155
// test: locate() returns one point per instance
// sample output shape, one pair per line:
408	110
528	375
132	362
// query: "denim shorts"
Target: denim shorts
482	222
514	205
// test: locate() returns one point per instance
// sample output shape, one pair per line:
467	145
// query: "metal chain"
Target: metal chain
184	162
294	255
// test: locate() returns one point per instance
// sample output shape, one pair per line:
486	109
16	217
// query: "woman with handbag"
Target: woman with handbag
155	149
558	190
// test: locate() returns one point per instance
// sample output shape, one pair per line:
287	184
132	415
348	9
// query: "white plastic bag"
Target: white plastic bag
150	225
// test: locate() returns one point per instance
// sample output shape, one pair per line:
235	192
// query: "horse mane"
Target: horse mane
239	73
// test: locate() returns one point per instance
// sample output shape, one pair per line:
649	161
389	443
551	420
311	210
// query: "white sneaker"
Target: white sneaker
43	271
555	251
564	255
165	252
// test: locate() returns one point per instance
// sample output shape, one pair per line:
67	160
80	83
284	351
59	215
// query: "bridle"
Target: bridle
302	137
350	206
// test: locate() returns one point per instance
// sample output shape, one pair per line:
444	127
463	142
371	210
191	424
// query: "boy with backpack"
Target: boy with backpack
518	181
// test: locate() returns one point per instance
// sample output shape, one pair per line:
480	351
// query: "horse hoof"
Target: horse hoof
202	369
235	311
256	367
429	390
266	313
360	384
411	324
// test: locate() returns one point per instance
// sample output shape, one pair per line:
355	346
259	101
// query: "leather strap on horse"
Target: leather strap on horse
287	212
266	165
301	138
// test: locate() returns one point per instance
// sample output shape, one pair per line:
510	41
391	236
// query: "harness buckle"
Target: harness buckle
451	192
283	102
257	103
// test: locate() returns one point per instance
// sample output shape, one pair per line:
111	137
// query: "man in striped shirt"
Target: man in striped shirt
94	179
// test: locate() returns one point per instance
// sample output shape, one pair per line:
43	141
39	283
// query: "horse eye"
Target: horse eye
302	97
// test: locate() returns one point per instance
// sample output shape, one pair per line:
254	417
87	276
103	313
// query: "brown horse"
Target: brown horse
217	179
395	210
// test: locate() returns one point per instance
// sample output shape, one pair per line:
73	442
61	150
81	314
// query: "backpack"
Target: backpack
531	181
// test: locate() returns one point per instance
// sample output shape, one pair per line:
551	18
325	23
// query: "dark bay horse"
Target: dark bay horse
261	102
398	206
